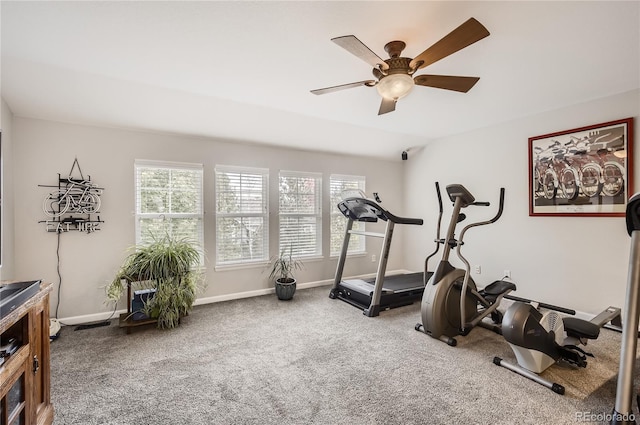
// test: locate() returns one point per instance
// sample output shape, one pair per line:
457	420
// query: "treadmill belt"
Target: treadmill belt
400	282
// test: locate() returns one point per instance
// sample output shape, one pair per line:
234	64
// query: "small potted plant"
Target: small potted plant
169	266
282	267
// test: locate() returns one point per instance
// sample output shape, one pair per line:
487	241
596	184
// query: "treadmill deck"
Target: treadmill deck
398	291
392	284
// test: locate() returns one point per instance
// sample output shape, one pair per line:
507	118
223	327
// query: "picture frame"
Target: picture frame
586	171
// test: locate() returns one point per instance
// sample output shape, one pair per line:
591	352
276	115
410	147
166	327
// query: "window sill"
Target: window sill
354	255
310	258
239	266
262	264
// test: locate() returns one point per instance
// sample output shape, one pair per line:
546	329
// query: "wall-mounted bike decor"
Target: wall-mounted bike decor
585	171
73	205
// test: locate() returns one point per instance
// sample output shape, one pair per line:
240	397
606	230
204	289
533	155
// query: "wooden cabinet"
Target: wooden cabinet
25	375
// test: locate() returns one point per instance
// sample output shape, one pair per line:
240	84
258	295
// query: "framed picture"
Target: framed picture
586	171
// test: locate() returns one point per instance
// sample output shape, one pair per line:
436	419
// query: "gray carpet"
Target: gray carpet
311	360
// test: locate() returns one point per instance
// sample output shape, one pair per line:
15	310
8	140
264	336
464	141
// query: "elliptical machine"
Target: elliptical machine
451	304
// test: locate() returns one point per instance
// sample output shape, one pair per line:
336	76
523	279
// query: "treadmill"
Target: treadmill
382	292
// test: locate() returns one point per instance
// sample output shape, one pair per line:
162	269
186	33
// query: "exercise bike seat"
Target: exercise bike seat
578	328
492	291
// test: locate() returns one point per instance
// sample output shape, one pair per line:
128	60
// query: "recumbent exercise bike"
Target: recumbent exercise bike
540	340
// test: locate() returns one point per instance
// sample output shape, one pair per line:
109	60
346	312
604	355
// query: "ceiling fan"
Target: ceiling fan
395	75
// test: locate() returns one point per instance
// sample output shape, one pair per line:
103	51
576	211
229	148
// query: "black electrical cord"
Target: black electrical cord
59	275
115	307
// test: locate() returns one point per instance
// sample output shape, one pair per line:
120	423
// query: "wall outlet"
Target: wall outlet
477	269
373	258
507	274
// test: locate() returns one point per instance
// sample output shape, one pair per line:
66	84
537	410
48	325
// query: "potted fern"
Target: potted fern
282	267
170	267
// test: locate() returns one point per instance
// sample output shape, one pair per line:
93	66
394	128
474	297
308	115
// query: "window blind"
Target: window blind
300	219
242	215
168	201
337	184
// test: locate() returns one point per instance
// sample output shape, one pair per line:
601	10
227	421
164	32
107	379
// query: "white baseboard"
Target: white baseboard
90	318
99	317
256	293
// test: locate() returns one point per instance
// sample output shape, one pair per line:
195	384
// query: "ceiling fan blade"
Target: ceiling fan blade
387	105
447	82
461	37
369	83
356	47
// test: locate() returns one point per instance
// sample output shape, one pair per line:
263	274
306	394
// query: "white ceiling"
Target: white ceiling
243	70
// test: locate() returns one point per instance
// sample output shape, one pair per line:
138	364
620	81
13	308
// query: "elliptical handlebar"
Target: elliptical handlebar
466	199
493	220
440	211
465	282
439	197
437	240
500	207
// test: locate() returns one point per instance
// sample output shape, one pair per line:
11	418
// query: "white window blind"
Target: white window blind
301	213
168	201
242	215
339	183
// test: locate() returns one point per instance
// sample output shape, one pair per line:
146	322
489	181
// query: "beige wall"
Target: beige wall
7	207
43	149
576	262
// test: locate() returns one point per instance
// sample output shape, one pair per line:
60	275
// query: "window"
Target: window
242	215
301	213
338	183
168	201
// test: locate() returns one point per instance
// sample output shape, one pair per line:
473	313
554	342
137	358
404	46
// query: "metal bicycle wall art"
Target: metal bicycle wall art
73	205
586	171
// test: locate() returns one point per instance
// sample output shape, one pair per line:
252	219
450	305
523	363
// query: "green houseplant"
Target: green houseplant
282	268
168	265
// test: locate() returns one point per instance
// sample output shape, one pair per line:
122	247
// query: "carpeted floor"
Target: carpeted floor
311	360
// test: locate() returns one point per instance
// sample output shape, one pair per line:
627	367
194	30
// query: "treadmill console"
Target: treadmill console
358	209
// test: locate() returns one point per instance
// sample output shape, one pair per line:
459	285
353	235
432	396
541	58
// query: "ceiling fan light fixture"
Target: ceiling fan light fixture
395	86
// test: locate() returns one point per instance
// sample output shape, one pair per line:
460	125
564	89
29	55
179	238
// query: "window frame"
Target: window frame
242	170
140	164
361	248
317	214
